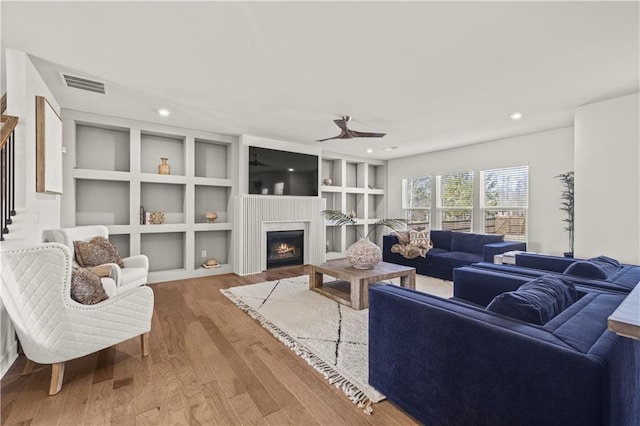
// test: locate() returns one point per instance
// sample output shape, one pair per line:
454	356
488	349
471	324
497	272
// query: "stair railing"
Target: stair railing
7	168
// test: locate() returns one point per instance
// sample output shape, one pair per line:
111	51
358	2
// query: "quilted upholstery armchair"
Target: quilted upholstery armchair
35	287
136	268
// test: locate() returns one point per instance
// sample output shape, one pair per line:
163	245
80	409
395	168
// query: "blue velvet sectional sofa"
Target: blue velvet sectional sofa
452	362
451	250
601	271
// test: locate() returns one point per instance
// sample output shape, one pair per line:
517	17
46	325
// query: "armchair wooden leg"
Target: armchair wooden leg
144	340
57	374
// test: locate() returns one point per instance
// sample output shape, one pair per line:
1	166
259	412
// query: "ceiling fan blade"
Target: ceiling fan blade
341	122
344	134
356	134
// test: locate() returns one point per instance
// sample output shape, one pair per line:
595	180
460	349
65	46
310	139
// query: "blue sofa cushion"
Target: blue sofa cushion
441	239
600	268
584	268
537	301
473	243
453	259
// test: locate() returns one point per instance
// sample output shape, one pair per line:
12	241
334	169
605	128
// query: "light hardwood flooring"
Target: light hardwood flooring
209	363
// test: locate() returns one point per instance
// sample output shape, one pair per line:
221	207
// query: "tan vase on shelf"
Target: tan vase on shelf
164	168
210	217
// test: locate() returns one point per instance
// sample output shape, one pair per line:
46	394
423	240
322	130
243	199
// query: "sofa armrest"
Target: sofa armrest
492	249
138	261
480	286
544	262
387	242
424	351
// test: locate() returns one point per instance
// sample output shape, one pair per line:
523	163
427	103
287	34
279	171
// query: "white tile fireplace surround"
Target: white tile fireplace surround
258	214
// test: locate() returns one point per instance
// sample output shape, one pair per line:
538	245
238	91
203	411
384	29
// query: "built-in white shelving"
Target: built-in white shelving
111	170
357	185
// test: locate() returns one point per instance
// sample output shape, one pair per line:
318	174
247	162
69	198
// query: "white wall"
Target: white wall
547	154
38	211
35	211
607	166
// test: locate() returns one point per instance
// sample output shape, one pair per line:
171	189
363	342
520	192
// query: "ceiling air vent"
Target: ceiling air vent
83	83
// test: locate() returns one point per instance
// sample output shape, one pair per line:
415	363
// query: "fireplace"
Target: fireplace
285	248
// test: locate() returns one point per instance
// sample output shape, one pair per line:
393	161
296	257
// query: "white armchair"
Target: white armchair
36	291
136	268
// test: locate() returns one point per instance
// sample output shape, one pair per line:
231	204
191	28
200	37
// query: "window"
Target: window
505	200
416	200
455	201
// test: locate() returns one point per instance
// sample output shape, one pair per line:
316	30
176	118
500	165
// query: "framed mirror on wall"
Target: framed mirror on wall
48	148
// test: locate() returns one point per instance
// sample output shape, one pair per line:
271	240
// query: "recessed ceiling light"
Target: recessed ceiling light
369	151
291	170
516	116
164	112
390	148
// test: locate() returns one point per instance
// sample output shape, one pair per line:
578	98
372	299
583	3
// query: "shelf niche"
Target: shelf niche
167	198
215	243
211	199
101	148
376	206
331	170
211	159
121	241
155	146
164	250
352	175
102	202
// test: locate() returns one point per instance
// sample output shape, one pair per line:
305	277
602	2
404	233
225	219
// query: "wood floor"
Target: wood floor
209	363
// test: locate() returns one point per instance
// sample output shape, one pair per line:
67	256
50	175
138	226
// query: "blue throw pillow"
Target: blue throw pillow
609	265
537	301
586	269
599	268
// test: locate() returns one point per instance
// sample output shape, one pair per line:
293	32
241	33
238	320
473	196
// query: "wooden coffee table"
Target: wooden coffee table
352	285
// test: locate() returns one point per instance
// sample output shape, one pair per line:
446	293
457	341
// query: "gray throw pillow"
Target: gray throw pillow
97	251
86	287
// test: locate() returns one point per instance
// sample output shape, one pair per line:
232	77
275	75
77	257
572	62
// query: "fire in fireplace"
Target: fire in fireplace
285	248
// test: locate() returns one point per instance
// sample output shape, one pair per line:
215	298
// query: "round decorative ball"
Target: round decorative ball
211	217
157	218
363	254
327	182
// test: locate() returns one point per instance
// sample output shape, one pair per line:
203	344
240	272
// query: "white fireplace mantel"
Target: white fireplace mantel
257	214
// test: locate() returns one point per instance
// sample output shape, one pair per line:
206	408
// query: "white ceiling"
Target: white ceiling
432	75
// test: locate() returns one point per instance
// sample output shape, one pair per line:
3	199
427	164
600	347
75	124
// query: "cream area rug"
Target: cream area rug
331	337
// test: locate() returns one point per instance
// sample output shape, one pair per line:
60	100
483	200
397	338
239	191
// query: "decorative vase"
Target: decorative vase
157	218
363	254
327	182
164	168
211	217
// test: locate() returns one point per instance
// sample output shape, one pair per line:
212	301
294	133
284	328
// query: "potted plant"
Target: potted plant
567	197
363	254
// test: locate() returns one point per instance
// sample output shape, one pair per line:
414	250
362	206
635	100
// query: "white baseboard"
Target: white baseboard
8	358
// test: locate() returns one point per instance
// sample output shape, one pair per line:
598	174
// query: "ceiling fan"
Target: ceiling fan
347	133
257	162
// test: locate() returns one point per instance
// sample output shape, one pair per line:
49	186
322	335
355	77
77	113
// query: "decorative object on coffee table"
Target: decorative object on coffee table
211	217
327	182
362	254
157	218
164	168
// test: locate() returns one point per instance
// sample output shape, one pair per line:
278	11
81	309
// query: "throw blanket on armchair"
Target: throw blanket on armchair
412	243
